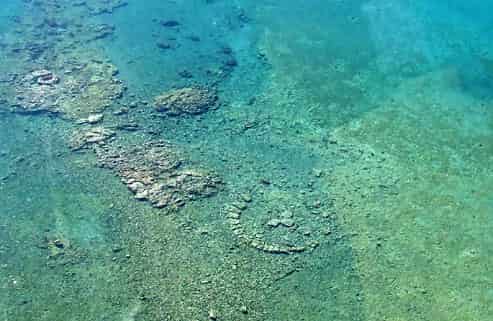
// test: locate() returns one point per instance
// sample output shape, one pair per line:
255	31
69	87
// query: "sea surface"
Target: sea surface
229	160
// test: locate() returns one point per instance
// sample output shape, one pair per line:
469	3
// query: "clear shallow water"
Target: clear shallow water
371	122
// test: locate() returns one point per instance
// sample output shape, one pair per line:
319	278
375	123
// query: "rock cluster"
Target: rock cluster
276	222
100	31
102	7
37	91
186	100
42	77
91	119
93	83
233	214
153	172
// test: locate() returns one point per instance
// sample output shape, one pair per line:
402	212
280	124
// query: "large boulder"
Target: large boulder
186	100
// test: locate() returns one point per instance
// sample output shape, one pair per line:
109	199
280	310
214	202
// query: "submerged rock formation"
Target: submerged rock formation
154	172
282	234
84	89
101	7
86	139
186	100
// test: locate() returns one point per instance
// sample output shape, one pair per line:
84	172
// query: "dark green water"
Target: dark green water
353	140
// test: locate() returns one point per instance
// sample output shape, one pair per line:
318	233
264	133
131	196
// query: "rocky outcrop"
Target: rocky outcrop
153	172
188	100
92	83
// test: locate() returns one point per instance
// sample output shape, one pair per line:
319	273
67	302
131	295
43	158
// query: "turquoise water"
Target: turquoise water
340	167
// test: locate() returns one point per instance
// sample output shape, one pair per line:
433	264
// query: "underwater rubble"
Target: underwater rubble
86	139
154	172
79	86
78	91
282	232
97	7
51	68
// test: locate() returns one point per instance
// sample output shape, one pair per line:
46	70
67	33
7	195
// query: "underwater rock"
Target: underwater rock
101	31
185	74
55	244
94	118
273	239
273	222
194	38
164	45
91	119
102	7
153	172
212	314
37	92
128	127
186	100
246	197
230	63
87	88
43	77
85	139
169	23
121	111
37	74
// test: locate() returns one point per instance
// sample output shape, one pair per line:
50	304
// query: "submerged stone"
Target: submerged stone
92	83
169	23
154	172
85	139
186	100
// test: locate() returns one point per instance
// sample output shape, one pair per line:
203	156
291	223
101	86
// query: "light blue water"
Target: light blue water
357	131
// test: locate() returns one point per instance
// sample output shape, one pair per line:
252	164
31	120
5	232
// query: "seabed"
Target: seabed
246	160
